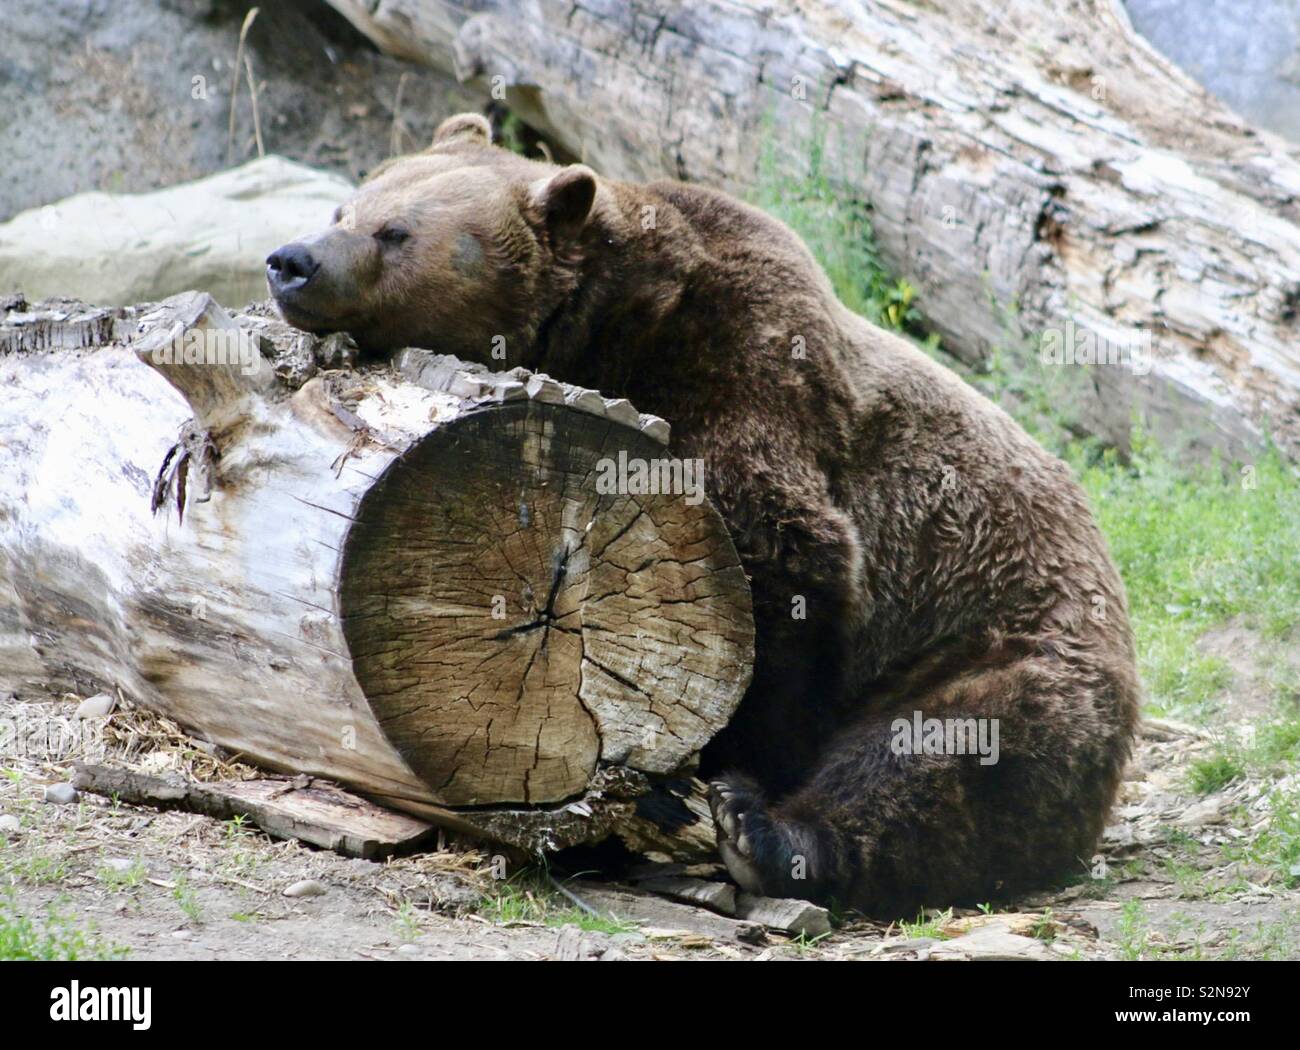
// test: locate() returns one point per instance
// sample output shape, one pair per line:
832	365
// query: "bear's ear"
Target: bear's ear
466	128
564	200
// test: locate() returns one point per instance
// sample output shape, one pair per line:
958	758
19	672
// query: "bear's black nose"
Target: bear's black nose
289	268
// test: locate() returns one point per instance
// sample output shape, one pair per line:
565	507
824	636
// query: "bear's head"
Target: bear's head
452	249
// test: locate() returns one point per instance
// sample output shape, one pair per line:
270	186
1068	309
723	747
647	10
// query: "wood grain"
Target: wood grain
309	574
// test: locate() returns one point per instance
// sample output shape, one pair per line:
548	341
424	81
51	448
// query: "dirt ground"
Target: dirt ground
1172	880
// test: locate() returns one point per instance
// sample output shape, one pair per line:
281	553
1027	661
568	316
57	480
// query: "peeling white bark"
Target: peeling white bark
317	588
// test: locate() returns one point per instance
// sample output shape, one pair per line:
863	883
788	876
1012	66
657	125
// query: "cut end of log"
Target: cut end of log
493	601
513	623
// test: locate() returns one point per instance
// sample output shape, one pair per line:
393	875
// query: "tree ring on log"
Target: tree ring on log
513	626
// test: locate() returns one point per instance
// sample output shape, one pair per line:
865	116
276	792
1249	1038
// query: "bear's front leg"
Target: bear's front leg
768	857
993	781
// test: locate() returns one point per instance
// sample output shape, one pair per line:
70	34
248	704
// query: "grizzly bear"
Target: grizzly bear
944	693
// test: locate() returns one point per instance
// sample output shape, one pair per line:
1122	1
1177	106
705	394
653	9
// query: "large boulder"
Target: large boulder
212	235
135	95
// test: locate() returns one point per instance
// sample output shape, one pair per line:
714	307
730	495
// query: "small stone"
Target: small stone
409	949
182	935
98	706
61	794
8	825
119	864
991	942
306	888
1207	811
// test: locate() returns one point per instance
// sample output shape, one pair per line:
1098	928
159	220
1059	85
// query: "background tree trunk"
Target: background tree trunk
409	581
1028	163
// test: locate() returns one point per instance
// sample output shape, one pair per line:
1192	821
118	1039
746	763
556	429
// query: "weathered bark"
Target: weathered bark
300	808
1027	163
405	581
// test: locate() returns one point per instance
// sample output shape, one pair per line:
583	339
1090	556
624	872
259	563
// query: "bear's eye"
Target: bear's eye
391	235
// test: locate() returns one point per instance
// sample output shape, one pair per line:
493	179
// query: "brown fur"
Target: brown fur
948	564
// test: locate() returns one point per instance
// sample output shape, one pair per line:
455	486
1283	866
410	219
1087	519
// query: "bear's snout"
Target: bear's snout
289	268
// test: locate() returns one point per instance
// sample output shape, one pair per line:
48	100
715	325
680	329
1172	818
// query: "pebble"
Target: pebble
9	825
409	949
305	888
119	864
98	706
61	794
1208	811
990	942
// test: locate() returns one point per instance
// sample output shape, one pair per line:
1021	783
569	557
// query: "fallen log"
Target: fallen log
409	580
1030	166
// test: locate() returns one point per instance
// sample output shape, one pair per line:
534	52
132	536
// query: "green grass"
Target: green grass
35	870
187	900
1196	549
1208	775
1277	845
1274	752
838	232
1131	931
407	921
804	943
52	936
127	878
528	897
927	927
1197	546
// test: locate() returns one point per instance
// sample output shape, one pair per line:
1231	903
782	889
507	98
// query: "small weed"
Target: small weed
119	879
1045	928
37	870
1207	775
187	900
53	936
931	927
803	943
1131	931
528	898
407	921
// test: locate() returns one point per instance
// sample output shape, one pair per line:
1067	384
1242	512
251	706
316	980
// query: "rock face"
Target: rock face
1251	60
135	95
211	235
